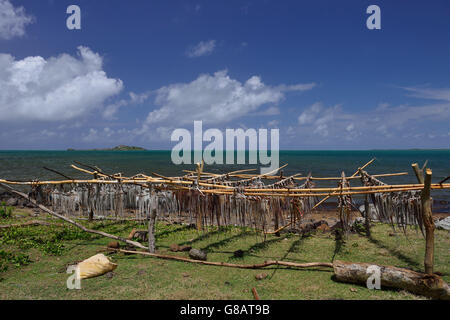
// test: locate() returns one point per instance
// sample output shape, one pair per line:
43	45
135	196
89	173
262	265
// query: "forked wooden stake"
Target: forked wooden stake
428	223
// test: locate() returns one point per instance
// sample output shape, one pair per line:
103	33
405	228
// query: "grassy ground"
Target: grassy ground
33	263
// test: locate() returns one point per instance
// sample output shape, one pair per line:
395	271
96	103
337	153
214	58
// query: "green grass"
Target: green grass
36	259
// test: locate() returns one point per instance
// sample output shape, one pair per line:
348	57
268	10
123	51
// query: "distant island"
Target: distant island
116	148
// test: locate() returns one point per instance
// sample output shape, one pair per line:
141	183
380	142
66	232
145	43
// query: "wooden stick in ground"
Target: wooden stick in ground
428	223
255	294
353	175
43	208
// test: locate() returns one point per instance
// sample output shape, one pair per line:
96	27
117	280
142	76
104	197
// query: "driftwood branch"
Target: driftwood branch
231	265
76	224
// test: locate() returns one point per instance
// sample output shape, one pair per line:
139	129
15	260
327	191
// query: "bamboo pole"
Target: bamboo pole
328	194
227	188
323	178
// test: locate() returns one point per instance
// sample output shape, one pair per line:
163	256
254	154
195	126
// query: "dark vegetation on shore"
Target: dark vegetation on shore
116	148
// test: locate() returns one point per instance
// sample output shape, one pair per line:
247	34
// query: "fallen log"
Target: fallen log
392	277
76	224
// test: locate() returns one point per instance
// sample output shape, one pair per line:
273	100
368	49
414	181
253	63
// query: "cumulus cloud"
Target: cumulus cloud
57	88
203	48
310	114
214	99
12	20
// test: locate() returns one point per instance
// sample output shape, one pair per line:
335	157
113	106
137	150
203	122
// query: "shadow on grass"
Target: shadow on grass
293	248
339	243
169	232
396	253
206	235
225	241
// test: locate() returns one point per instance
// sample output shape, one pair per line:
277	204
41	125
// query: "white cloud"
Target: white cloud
214	99
271	111
430	93
273	123
319	125
203	48
310	114
109	113
12	20
59	88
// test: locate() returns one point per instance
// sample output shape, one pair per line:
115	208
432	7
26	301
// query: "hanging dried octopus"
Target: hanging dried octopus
396	208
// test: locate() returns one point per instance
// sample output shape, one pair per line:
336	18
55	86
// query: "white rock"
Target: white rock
443	224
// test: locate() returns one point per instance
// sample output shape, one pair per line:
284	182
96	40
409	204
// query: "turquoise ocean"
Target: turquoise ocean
28	165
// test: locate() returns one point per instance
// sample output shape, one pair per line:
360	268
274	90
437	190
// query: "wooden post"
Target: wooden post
427	215
418	172
151	231
428	222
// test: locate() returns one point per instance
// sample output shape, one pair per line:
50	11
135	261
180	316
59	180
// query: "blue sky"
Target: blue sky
139	69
